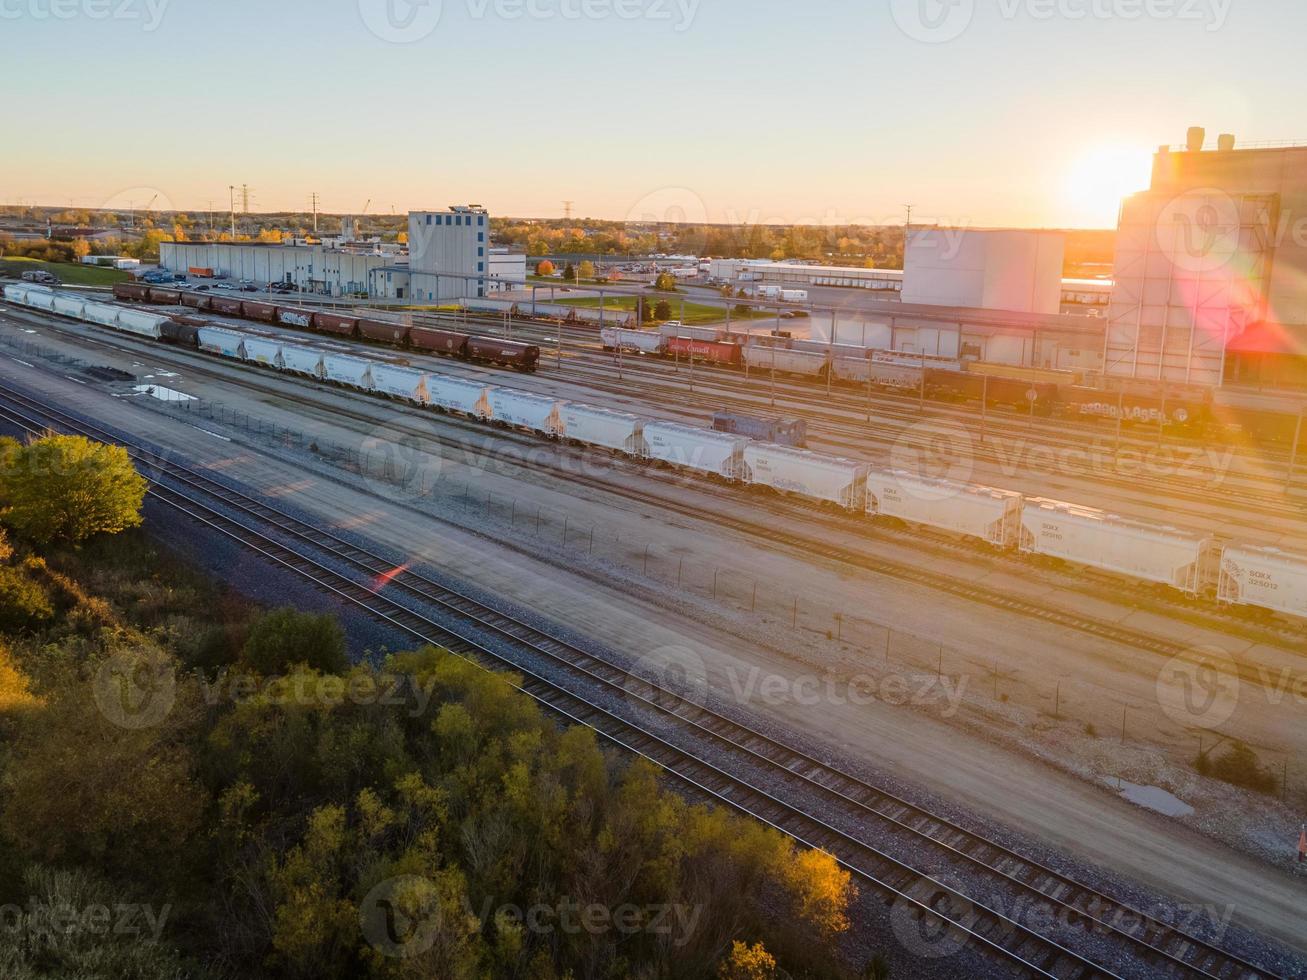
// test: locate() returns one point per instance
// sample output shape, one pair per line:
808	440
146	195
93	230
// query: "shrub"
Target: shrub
1238	765
286	637
24	603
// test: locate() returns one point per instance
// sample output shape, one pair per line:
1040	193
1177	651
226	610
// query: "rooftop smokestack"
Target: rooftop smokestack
1225	142
1197	137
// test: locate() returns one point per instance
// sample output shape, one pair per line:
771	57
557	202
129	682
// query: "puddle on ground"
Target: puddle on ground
162	393
1152	798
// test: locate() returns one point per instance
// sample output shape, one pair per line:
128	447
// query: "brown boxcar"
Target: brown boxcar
169	296
132	291
711	351
265	312
335	323
1134	406
383	332
226	305
440	341
509	353
197	301
291	316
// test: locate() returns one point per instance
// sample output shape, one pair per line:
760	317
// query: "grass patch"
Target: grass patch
70	273
696	314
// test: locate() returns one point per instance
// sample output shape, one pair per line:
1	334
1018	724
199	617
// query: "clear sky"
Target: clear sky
981	112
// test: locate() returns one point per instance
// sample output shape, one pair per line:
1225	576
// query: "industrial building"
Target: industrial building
1211	268
1077	295
448	257
1012	271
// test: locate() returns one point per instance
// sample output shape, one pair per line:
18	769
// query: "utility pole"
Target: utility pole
314	199
231	195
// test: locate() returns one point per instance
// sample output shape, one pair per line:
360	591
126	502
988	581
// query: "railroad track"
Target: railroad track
806	547
758	763
863	559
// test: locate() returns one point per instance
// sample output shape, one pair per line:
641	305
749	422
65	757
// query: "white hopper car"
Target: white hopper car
1087	536
354	372
842	482
686	446
987	513
603	427
398	381
524	411
1264	577
633	341
456	395
261	350
301	360
225	343
802	362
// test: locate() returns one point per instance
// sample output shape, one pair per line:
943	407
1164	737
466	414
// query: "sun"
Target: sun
1097	183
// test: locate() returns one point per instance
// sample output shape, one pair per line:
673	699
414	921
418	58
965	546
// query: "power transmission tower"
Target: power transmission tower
245	198
314	198
567	210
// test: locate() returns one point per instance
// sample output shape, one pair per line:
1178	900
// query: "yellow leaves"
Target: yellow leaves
15	689
820	889
747	963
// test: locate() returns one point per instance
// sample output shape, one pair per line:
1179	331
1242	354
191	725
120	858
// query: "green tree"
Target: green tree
68	488
569	272
586	270
286	638
663	311
665	283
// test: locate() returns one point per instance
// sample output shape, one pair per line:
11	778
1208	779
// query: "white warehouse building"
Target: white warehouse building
449	257
1013	271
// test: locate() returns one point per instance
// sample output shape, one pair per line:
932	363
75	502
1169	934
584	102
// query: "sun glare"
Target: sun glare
1102	177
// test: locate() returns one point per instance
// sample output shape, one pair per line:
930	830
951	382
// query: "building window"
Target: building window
428	219
481	236
481	252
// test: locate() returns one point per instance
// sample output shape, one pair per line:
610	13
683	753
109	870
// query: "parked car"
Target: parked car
251	288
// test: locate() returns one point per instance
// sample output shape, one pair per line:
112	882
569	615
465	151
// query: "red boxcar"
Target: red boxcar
132	291
335	323
713	352
441	341
382	332
170	296
226	305
509	353
266	312
197	301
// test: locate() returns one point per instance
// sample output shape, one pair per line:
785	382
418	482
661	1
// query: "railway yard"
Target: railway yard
977	732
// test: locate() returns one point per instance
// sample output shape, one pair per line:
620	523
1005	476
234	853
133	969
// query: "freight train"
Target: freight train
1191	562
1039	391
485	350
